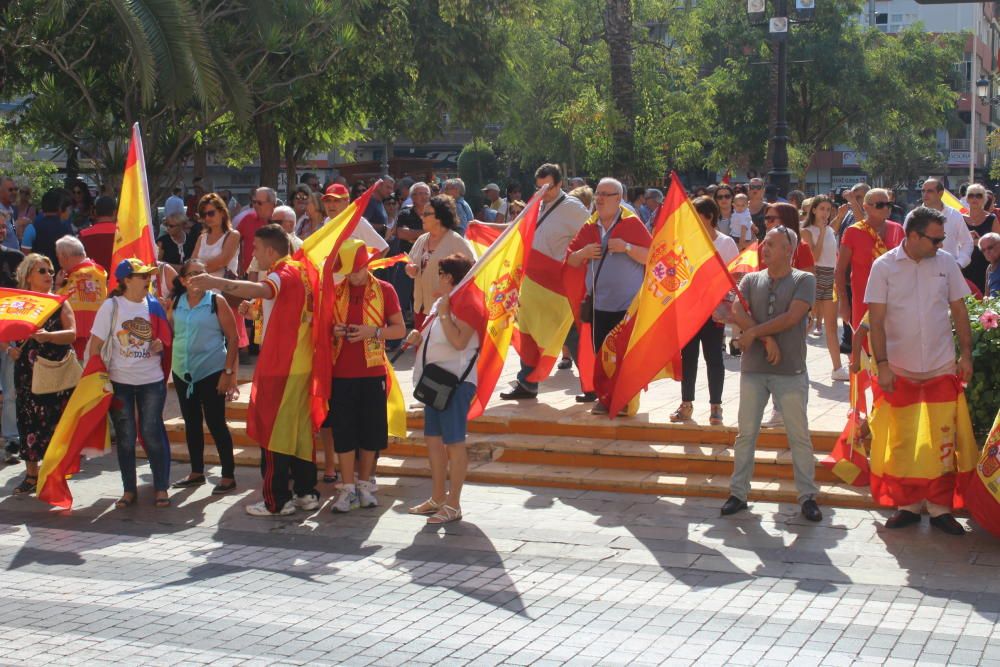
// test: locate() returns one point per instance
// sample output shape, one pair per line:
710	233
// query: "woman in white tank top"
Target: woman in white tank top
218	246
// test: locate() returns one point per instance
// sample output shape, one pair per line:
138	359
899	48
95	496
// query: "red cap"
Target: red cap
337	191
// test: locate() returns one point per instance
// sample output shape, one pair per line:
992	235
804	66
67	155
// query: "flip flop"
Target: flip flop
162	502
126	500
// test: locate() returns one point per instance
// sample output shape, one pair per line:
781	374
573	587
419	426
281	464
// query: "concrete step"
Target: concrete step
598	479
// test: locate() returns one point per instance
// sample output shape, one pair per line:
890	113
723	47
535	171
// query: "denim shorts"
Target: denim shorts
450	423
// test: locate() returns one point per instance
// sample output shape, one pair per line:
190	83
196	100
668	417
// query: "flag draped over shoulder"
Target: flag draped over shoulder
134	227
82	428
278	418
317	256
685	280
23	312
922	443
487	299
982	496
481	237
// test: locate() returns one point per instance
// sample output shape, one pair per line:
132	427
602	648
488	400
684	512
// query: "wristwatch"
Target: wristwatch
229	371
378	333
628	248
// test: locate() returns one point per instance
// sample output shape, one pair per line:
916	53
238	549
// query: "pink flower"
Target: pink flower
989	319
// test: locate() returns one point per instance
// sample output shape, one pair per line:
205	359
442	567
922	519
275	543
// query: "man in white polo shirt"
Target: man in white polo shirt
912	290
957	240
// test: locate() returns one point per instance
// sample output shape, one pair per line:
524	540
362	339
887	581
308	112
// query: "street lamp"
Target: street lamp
778	27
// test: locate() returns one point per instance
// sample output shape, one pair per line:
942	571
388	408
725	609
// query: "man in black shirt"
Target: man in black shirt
9	261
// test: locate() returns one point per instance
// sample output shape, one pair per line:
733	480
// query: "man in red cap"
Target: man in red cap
335	200
365	313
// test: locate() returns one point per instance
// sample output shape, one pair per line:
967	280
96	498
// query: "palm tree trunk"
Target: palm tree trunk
270	150
618	35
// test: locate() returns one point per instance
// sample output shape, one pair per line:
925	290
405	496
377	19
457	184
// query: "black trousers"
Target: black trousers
278	470
604	322
205	403
710	336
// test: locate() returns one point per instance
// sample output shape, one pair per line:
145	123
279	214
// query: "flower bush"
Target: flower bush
983	392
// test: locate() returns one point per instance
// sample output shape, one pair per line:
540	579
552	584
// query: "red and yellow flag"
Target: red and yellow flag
481	237
747	261
949	199
23	312
922	443
82	428
134	228
86	288
488	297
684	282
386	262
982	497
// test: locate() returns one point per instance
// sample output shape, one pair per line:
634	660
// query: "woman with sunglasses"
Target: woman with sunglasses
134	327
313	218
205	368
219	244
724	199
38	414
81	213
980	222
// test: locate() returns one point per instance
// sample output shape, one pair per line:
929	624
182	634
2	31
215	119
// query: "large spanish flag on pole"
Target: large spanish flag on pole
134	235
685	280
982	497
82	428
922	443
487	299
481	237
23	312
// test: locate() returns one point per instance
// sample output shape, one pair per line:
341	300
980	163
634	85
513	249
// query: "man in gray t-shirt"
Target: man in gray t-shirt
774	365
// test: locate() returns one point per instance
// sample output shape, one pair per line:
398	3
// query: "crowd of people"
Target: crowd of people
225	272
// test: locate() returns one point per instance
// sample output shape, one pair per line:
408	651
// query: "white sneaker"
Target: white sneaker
775	420
347	500
260	509
308	502
366	494
841	374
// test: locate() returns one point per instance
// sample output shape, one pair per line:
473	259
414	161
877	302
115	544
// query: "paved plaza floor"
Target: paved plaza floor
532	577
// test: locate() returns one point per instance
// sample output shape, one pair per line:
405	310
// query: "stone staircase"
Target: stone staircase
577	450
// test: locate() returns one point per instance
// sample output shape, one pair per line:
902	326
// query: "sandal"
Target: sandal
429	506
682	413
446	514
162	502
188	482
26	486
126	500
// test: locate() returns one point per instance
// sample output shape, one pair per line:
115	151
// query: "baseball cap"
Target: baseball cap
491	186
337	191
132	267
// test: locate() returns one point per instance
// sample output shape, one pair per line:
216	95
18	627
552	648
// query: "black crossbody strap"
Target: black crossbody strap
424	357
604	253
555	204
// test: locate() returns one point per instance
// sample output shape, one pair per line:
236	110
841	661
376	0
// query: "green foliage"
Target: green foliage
477	166
983	391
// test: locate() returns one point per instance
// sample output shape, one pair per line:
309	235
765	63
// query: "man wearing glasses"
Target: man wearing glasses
914	293
957	240
989	244
862	244
263	202
773	364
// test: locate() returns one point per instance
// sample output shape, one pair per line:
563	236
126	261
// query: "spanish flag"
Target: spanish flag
982	497
23	312
86	288
848	459
951	200
278	417
922	443
82	428
685	280
134	229
386	262
481	237
747	261
487	299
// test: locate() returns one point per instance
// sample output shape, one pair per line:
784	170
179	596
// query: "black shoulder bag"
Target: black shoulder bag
437	385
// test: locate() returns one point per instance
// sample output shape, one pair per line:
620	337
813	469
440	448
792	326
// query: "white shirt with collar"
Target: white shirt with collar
957	240
917	297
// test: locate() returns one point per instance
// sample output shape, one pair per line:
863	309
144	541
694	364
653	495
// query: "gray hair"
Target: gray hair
875	192
272	196
612	181
861	187
456	183
991	236
977	187
70	246
655	194
419	186
284	213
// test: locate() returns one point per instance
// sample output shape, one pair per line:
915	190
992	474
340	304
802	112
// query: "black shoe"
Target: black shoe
948	524
188	482
565	364
810	510
845	349
733	505
902	519
517	393
588	397
221	489
733	350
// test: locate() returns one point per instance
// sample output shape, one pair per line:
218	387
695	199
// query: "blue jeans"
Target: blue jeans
148	401
789	393
8	420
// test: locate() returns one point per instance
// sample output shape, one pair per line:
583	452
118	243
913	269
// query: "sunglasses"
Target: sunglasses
45	271
973	195
881	204
936	240
190	274
723	196
756	187
209	213
787	232
606	194
301	198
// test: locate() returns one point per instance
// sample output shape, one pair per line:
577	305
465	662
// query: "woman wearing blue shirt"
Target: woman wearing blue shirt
205	361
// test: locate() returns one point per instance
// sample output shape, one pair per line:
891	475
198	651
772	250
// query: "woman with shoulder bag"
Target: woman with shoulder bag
46	364
205	367
452	345
134	325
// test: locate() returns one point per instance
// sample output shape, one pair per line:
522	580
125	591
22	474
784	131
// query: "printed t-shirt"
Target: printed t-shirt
131	334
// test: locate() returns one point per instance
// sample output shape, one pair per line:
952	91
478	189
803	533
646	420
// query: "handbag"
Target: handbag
437	385
50	377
